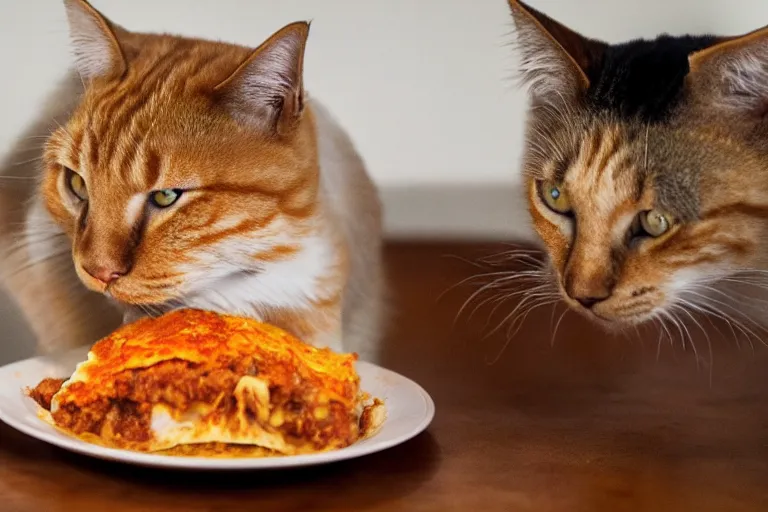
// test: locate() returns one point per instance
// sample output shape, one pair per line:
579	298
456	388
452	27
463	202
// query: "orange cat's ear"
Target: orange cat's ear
94	41
733	73
266	91
554	60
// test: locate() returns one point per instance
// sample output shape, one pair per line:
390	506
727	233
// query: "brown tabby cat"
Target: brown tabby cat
191	173
646	170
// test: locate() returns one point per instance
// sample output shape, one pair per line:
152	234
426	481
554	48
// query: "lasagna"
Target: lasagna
193	379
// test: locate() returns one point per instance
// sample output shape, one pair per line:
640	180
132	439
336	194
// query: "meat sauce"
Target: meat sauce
126	414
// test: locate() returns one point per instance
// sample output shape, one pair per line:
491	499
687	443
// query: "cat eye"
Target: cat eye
76	184
555	197
165	198
655	223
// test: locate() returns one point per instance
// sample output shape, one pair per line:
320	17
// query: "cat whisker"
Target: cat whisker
502	258
658	321
709	317
502	298
529	262
151	310
661	338
730	318
24	162
557	325
28	242
540	289
726	305
747	299
463	260
50	257
517	323
751	278
663	324
690	338
498	301
520	321
35	137
505	298
472	297
509	257
521	307
507	275
18	178
506	279
515	247
715	307
731	322
752	283
752	271
706	335
675	322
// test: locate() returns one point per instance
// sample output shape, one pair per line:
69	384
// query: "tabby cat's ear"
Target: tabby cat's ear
94	40
266	91
733	73
554	60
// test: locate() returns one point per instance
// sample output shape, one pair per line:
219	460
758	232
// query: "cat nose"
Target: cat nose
105	274
590	291
588	302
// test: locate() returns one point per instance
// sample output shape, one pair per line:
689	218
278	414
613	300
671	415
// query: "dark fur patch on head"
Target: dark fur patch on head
676	194
643	78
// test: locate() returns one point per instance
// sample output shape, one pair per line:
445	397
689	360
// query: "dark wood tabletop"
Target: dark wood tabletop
580	421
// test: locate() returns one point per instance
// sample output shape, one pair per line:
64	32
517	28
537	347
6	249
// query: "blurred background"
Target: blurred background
426	88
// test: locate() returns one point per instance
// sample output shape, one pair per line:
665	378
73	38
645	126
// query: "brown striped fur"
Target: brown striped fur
699	155
277	220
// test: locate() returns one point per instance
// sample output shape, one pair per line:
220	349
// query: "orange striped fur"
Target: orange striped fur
276	217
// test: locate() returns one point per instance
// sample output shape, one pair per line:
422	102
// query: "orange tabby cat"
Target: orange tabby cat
645	170
191	173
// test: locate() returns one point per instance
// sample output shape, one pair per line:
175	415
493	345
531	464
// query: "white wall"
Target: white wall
424	86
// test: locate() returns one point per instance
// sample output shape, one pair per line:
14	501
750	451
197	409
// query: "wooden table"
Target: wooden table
591	423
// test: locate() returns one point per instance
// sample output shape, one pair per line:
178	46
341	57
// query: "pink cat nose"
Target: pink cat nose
104	274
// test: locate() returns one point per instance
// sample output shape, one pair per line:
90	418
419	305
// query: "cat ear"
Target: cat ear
554	60
733	73
266	91
94	41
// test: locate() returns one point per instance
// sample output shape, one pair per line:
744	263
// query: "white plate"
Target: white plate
409	411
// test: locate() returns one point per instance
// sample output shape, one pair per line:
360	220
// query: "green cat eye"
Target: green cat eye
165	198
76	184
655	223
555	197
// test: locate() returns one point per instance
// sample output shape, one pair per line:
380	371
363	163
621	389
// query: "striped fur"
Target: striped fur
278	219
674	125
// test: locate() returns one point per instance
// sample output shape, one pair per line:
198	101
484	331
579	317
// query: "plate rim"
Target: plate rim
117	455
